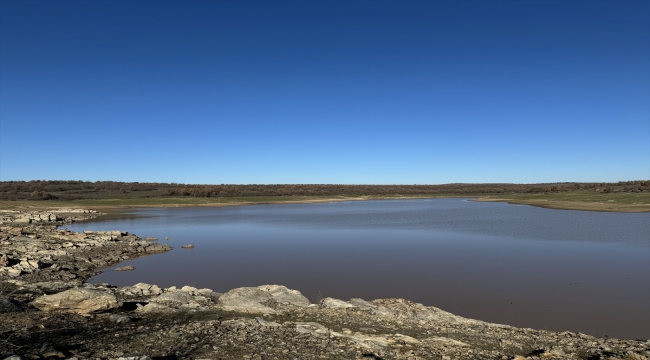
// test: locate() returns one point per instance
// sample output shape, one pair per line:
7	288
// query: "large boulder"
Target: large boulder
79	300
265	299
283	295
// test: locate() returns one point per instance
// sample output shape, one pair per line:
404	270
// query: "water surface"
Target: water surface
512	264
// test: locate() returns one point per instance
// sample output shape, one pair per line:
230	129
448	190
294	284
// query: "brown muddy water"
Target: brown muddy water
519	265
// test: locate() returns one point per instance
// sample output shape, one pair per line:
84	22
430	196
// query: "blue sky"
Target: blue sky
373	92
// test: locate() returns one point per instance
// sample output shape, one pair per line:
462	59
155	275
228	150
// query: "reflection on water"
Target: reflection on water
518	265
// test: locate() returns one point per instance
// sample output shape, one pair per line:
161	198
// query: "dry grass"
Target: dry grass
579	200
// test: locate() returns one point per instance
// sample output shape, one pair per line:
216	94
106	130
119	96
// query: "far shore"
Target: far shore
572	205
601	202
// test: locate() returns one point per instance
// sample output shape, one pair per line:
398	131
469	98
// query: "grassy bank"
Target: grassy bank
573	200
124	203
579	200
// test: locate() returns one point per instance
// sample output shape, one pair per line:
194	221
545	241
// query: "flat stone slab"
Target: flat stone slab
79	300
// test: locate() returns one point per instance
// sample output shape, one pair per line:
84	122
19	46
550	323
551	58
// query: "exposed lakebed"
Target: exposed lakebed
518	265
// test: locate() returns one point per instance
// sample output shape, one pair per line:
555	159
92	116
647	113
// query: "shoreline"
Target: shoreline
572	205
599	206
44	299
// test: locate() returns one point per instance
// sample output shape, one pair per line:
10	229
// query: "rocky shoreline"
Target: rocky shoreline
47	311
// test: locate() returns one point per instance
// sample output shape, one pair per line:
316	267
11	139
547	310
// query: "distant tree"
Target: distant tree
42	195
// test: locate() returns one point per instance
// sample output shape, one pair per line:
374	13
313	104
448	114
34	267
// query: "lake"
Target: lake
512	264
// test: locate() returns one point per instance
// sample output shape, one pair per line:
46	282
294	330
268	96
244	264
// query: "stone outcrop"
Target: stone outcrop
38	252
266	299
61	215
79	300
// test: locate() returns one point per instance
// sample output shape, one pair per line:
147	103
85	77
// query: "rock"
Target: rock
313	328
158	248
362	304
265	299
153	307
188	246
630	355
190	289
188	298
141	289
119	319
15	357
166	238
79	300
150	239
330	303
47	350
125	268
13	272
135	358
175	298
557	352
205	292
248	299
401	308
23	219
368	342
16	231
284	295
214	296
36	264
263	322
208	293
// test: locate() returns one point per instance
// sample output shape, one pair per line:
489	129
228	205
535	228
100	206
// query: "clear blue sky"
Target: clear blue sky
370	92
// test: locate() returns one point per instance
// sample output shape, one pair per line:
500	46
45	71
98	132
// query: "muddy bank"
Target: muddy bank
571	205
47	311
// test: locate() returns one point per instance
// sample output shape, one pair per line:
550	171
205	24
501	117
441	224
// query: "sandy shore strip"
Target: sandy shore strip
571	205
607	204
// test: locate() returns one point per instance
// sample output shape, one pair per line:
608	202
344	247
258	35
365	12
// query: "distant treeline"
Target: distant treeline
77	190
